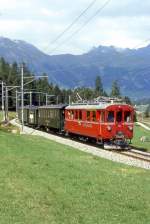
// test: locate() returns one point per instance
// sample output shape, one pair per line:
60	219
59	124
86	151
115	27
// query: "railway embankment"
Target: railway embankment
97	151
143	126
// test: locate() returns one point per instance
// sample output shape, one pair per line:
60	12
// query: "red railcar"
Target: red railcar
104	122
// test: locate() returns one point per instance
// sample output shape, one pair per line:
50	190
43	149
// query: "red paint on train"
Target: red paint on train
103	121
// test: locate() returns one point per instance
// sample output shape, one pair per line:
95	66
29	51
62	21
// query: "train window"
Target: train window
52	114
76	115
98	115
88	115
119	116
127	116
110	116
68	114
102	116
94	116
80	114
55	113
71	114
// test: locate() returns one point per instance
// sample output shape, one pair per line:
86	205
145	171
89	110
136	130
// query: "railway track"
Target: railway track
132	156
136	154
130	152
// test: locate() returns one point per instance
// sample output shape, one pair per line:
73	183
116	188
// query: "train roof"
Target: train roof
59	106
100	106
29	107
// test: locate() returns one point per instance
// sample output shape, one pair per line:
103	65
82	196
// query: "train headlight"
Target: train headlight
130	128
109	128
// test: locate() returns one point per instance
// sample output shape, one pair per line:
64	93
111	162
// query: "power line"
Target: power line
82	26
72	24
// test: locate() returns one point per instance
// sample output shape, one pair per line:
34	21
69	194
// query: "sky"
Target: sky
122	24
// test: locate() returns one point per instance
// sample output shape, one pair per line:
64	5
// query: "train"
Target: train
107	123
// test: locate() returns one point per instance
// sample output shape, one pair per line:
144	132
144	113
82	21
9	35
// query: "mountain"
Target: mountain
129	66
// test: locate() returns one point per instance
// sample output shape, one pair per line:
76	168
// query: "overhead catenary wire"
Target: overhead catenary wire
76	19
72	23
82	26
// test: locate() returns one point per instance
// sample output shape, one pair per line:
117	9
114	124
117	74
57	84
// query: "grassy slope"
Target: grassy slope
45	182
11	115
138	133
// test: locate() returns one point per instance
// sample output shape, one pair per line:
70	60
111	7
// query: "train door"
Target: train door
102	122
108	125
119	123
119	117
31	116
62	119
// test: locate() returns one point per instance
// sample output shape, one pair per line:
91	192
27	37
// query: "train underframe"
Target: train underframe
120	144
117	143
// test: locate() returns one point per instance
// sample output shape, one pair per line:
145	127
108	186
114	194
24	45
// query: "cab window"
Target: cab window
110	116
119	116
127	116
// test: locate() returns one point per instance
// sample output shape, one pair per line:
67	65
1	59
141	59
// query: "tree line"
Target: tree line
11	75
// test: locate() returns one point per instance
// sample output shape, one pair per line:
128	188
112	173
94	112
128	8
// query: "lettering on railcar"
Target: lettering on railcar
87	125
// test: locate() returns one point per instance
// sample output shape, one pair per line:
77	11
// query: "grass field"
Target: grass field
138	133
48	183
11	115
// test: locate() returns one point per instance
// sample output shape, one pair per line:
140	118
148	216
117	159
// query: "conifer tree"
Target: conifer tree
115	91
98	86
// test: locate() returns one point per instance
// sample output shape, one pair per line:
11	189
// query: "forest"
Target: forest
41	91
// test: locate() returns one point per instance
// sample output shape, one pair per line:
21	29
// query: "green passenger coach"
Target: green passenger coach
51	117
30	115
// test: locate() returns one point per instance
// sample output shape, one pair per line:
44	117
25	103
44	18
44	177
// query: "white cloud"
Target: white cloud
121	23
14	4
50	13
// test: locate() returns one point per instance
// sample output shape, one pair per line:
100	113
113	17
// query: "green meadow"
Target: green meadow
48	183
138	133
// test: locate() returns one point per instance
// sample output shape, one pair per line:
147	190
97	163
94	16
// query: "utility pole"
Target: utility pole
6	103
16	102
57	99
3	110
30	99
22	98
39	99
46	99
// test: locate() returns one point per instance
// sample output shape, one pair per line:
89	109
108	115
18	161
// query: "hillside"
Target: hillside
130	67
46	182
